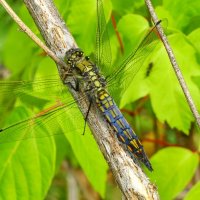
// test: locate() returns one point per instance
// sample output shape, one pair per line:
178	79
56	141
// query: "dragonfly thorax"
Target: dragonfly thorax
84	67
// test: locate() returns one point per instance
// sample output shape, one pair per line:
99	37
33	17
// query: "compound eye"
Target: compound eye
80	53
87	57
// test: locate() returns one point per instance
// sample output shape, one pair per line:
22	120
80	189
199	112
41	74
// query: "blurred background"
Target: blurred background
69	165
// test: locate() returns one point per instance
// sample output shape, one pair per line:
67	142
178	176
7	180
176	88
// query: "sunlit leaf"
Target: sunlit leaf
173	169
193	193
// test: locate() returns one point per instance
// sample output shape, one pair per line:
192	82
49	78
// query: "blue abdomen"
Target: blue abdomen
122	128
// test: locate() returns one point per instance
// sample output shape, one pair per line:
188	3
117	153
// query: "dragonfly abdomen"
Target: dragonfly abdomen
122	128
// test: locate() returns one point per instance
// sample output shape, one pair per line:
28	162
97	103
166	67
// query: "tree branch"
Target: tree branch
130	178
174	63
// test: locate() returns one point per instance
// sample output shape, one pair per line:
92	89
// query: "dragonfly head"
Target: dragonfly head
73	56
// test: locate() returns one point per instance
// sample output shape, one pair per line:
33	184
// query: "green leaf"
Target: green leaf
163	87
16	55
27	166
173	169
194	193
86	151
196	80
6	21
18	59
194	39
124	6
85	30
131	32
163	13
138	29
189	10
167	98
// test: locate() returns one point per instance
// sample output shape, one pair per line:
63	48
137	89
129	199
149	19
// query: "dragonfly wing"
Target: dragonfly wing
103	48
47	94
41	125
34	93
119	81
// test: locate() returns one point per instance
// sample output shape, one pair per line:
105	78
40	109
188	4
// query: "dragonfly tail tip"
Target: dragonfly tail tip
149	167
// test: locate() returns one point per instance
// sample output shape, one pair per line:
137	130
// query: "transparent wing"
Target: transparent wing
124	74
31	92
103	49
56	103
42	124
19	87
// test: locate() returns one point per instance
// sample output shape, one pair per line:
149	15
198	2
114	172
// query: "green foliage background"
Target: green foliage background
28	166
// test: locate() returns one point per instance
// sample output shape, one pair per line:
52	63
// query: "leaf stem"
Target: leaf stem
117	33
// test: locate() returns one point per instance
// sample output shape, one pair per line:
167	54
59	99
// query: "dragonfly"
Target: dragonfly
99	89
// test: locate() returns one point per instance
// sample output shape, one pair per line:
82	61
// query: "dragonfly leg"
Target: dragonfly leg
72	83
67	78
88	89
65	74
75	85
86	117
